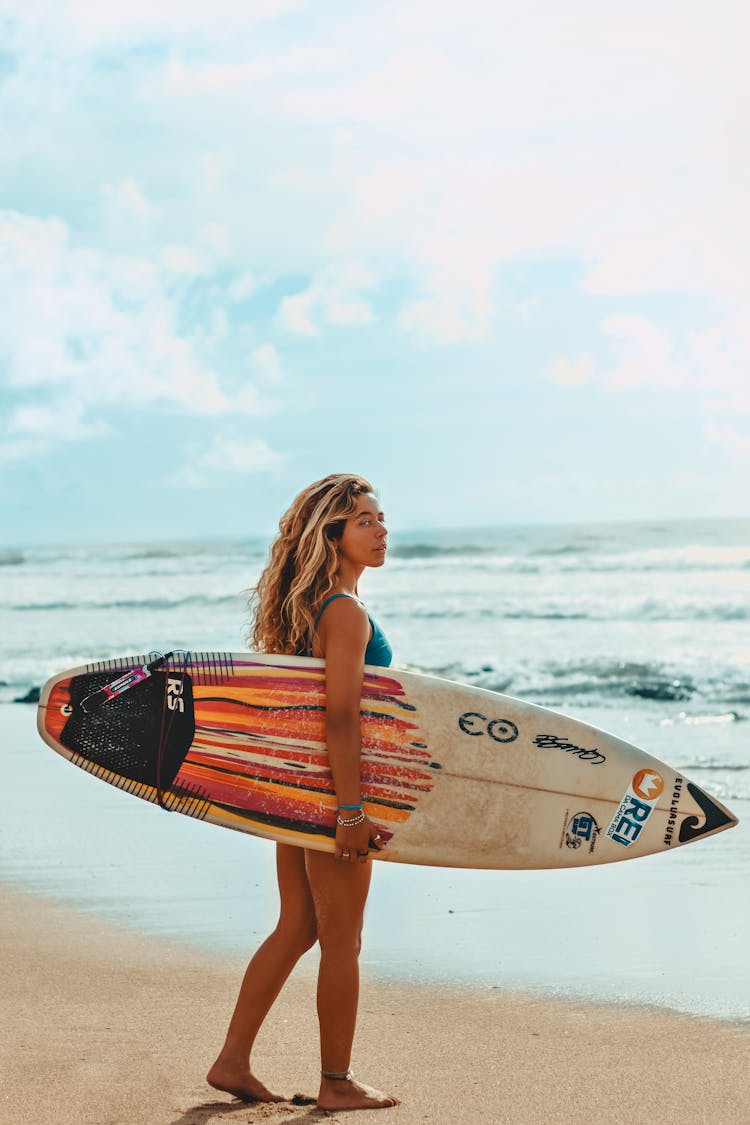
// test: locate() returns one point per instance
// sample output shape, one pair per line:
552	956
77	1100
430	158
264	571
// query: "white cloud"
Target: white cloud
93	332
584	122
334	297
295	314
244	76
75	26
404	80
644	359
646	354
459	306
735	444
227	455
442	140
185	262
211	175
216	238
126	201
573	130
22	449
242	456
243	286
62	422
721	355
266	363
711	363
442	320
572	373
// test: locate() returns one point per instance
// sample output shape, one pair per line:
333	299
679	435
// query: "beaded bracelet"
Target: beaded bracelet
352	822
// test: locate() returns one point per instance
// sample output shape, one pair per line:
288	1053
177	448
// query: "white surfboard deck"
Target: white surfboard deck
452	775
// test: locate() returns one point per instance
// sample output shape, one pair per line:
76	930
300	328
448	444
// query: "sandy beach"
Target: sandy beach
102	1025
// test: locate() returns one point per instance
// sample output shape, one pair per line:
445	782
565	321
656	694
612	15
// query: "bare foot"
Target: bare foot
337	1094
241	1082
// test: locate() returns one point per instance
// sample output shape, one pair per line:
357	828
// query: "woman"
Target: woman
306	603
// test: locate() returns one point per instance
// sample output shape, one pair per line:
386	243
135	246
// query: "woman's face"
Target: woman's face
363	541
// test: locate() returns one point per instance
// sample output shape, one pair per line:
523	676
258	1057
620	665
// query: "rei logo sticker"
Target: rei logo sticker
636	807
648	785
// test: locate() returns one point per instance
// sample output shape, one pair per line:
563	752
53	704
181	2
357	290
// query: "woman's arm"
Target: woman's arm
344	633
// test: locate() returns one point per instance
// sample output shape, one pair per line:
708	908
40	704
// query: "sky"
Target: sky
494	257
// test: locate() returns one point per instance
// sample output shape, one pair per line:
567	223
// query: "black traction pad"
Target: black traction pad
123	735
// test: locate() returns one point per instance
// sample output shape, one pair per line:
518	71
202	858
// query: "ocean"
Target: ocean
639	628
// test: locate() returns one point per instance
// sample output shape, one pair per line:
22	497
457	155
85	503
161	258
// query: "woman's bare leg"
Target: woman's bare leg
339	891
295	933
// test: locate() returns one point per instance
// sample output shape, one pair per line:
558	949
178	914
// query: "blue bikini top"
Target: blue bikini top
378	651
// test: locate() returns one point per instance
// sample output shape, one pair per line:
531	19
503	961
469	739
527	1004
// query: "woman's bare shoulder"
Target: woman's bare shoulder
345	619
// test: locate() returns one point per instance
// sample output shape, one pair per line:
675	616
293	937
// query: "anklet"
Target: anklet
338	1075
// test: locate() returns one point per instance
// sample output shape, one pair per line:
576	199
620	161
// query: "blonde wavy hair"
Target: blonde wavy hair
303	564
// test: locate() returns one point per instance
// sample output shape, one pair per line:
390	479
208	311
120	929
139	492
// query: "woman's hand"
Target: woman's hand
353	844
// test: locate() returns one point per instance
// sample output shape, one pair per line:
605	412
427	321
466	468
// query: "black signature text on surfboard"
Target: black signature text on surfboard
557	742
499	730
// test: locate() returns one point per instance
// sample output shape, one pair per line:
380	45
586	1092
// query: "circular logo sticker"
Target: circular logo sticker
648	785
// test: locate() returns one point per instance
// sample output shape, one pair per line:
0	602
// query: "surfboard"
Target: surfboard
452	775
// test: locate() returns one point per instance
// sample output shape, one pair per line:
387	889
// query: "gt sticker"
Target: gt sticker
636	807
580	829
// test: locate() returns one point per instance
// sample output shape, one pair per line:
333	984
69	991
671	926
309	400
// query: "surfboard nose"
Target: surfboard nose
142	735
716	816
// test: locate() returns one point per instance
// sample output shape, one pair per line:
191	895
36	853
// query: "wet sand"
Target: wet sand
105	1026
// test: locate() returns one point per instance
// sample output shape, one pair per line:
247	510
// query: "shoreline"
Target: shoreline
91	847
105	1024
